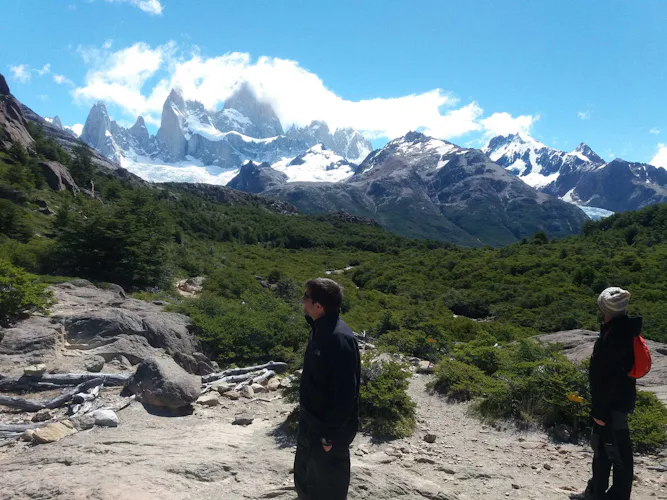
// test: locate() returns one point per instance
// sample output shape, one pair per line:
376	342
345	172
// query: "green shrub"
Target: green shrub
482	353
648	423
19	291
461	382
385	409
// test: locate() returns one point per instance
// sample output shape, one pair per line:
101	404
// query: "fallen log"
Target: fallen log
276	366
36	405
15	431
50	381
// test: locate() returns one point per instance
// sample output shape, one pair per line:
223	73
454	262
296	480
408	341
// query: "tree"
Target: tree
82	168
125	243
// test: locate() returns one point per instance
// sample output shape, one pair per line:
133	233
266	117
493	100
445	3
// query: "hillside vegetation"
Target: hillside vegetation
400	291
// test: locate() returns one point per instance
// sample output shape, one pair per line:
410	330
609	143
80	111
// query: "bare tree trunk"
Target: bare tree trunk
276	366
50	381
36	405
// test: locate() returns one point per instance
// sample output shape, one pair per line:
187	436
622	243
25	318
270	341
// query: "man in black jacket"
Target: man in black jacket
329	397
613	395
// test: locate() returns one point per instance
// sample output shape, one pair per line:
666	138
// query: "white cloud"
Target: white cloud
584	115
43	97
660	159
45	70
505	124
21	73
77	128
153	7
654	131
62	79
138	79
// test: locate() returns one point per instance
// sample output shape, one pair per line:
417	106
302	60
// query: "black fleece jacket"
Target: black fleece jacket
612	360
329	391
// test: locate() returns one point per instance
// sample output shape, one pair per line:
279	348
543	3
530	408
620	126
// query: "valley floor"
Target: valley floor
204	456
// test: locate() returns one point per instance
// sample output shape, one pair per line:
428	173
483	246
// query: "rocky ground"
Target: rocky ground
236	448
204	455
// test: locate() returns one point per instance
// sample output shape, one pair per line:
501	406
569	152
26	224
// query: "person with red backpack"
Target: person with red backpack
619	358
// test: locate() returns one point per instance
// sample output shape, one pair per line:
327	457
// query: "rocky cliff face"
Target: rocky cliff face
243	106
12	123
246	129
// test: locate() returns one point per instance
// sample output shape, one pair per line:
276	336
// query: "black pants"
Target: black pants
611	448
318	474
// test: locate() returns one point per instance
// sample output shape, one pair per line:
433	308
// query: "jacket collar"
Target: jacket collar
325	323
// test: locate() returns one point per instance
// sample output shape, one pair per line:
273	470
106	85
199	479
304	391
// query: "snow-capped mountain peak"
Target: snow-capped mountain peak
587	153
537	164
317	164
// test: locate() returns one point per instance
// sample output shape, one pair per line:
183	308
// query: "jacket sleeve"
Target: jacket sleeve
342	363
611	371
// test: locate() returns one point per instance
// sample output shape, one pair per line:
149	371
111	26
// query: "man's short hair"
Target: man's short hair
326	292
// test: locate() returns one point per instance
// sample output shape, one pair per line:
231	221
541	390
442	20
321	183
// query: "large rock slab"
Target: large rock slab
163	383
106	323
34	340
578	345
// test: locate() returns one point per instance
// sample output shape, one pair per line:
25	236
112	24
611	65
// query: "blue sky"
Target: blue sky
565	72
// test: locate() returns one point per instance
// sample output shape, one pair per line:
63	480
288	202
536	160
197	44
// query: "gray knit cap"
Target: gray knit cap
613	301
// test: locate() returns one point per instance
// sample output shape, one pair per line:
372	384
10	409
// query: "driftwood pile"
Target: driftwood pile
83	390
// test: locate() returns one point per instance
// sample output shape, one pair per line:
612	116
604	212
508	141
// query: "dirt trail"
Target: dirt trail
204	456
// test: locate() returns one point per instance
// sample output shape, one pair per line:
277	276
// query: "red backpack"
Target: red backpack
642	358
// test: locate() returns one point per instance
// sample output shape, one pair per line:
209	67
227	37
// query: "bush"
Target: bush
19	291
385	408
648	423
460	381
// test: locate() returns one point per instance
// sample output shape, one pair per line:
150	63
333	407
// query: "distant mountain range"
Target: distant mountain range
581	176
198	145
416	185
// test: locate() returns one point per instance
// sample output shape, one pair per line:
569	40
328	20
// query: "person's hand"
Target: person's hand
326	444
599	422
327	448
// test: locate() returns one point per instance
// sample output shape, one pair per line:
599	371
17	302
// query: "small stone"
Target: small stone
42	416
447	470
425	367
94	364
105	418
259	389
233	395
430	438
34	370
247	392
28	435
424	460
547	466
274	384
516	486
53	432
243	419
223	387
209	399
84	422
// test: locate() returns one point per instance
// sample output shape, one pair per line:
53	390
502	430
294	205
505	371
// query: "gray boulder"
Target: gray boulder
162	383
94	364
